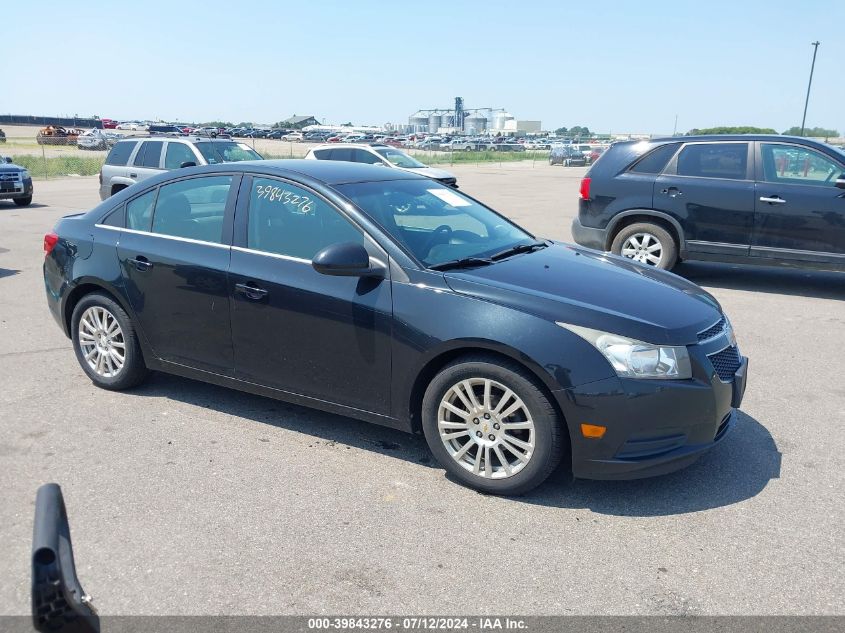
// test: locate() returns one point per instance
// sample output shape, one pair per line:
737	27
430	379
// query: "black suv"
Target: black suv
755	199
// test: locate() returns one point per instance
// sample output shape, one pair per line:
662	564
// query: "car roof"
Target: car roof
368	146
729	137
327	172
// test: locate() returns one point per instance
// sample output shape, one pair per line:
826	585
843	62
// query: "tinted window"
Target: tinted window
287	220
656	160
116	217
798	165
193	208
322	154
363	156
343	153
149	155
178	153
119	154
714	160
139	212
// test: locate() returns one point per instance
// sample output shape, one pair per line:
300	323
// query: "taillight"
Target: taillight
50	241
101	175
584	191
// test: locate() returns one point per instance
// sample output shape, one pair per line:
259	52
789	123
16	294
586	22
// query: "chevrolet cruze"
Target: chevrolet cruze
386	296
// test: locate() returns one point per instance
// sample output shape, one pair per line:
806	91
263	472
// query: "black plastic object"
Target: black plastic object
59	604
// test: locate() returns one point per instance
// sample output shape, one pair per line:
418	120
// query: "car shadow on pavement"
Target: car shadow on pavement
8	205
8	272
738	468
784	281
326	427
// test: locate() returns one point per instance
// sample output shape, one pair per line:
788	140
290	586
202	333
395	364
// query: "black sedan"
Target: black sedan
386	296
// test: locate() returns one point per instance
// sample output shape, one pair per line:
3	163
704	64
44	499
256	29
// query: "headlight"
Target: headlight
24	174
635	359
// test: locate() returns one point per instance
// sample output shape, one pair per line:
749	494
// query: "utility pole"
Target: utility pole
675	129
809	83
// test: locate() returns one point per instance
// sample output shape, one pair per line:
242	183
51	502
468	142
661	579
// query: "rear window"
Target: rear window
119	154
656	160
322	154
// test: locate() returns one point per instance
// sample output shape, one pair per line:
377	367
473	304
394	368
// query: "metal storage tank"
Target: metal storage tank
434	122
475	123
418	121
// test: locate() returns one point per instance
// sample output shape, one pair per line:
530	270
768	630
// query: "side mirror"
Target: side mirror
8	159
59	604
188	163
840	182
347	259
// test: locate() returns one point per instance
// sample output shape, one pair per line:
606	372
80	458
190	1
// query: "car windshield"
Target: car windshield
435	223
400	159
226	152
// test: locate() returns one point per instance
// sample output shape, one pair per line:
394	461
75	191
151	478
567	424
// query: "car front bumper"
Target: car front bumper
588	236
653	427
10	190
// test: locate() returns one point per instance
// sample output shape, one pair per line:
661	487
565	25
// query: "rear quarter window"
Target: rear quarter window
656	160
120	153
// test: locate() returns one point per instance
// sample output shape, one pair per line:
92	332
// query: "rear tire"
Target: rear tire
464	421
22	202
106	343
647	243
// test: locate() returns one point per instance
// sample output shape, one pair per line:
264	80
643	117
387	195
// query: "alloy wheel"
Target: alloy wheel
644	248
486	428
102	342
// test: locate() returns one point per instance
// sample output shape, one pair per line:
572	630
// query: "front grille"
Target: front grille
726	363
713	330
9	177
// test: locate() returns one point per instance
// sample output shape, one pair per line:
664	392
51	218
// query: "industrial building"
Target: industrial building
474	121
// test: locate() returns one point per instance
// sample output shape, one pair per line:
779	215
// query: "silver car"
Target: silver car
385	155
133	159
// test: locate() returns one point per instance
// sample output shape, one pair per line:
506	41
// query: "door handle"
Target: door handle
133	175
672	192
141	263
773	200
251	291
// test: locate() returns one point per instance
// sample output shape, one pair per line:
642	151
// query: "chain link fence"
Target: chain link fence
54	154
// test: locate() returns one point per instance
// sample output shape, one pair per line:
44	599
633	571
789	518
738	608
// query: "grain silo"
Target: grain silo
434	122
475	123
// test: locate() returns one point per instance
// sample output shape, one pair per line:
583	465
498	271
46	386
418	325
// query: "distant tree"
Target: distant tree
561	131
821	132
216	124
738	129
246	124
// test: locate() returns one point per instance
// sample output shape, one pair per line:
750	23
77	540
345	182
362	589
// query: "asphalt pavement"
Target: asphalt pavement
185	498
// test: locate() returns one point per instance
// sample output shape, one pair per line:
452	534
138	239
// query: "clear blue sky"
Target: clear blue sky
612	65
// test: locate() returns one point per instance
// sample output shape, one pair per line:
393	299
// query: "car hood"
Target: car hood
578	286
428	172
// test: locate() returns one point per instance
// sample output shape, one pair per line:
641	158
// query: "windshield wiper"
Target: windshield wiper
464	262
519	248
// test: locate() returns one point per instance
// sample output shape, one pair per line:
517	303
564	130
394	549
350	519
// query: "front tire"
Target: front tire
648	244
491	426
22	202
106	344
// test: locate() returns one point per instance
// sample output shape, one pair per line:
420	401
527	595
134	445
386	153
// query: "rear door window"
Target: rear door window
120	153
342	153
152	154
322	154
193	208
714	160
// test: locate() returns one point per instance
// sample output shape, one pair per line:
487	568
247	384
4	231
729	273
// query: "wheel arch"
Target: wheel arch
82	289
437	362
626	218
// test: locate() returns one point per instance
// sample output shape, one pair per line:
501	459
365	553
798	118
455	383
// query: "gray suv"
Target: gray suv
136	158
